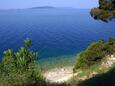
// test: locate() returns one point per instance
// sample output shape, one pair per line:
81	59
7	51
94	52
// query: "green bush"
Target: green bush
105	10
106	5
20	68
101	14
94	53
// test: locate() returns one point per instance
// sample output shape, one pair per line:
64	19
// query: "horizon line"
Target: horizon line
42	7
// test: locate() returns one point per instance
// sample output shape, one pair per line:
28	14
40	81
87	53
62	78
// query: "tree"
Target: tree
105	11
95	53
20	68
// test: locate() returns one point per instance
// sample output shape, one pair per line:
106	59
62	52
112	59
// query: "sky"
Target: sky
19	4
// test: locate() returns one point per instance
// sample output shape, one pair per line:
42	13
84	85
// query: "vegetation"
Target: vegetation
94	54
105	11
20	68
105	79
107	4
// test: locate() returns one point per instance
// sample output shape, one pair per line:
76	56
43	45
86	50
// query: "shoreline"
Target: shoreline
65	74
57	62
59	75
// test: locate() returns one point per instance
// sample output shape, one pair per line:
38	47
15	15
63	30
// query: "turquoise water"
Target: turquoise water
54	32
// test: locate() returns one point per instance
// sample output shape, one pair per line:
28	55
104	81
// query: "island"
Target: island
43	7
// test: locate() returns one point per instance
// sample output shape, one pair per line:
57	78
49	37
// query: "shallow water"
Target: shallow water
54	32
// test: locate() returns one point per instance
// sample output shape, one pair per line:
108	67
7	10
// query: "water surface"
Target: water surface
54	32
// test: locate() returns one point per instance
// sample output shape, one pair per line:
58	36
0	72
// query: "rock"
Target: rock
93	74
59	75
112	56
83	78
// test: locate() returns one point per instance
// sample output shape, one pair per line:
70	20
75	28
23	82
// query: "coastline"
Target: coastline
59	75
47	64
66	74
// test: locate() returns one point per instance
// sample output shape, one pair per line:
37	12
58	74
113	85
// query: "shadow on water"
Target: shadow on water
107	79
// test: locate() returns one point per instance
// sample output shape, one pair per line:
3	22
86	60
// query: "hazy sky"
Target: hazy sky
14	4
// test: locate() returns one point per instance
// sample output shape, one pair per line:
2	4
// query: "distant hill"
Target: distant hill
43	7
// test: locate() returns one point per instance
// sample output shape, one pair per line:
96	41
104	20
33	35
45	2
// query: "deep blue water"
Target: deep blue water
54	32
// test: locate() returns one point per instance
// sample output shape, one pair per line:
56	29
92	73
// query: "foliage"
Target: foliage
105	10
100	14
95	53
107	4
105	79
20	68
